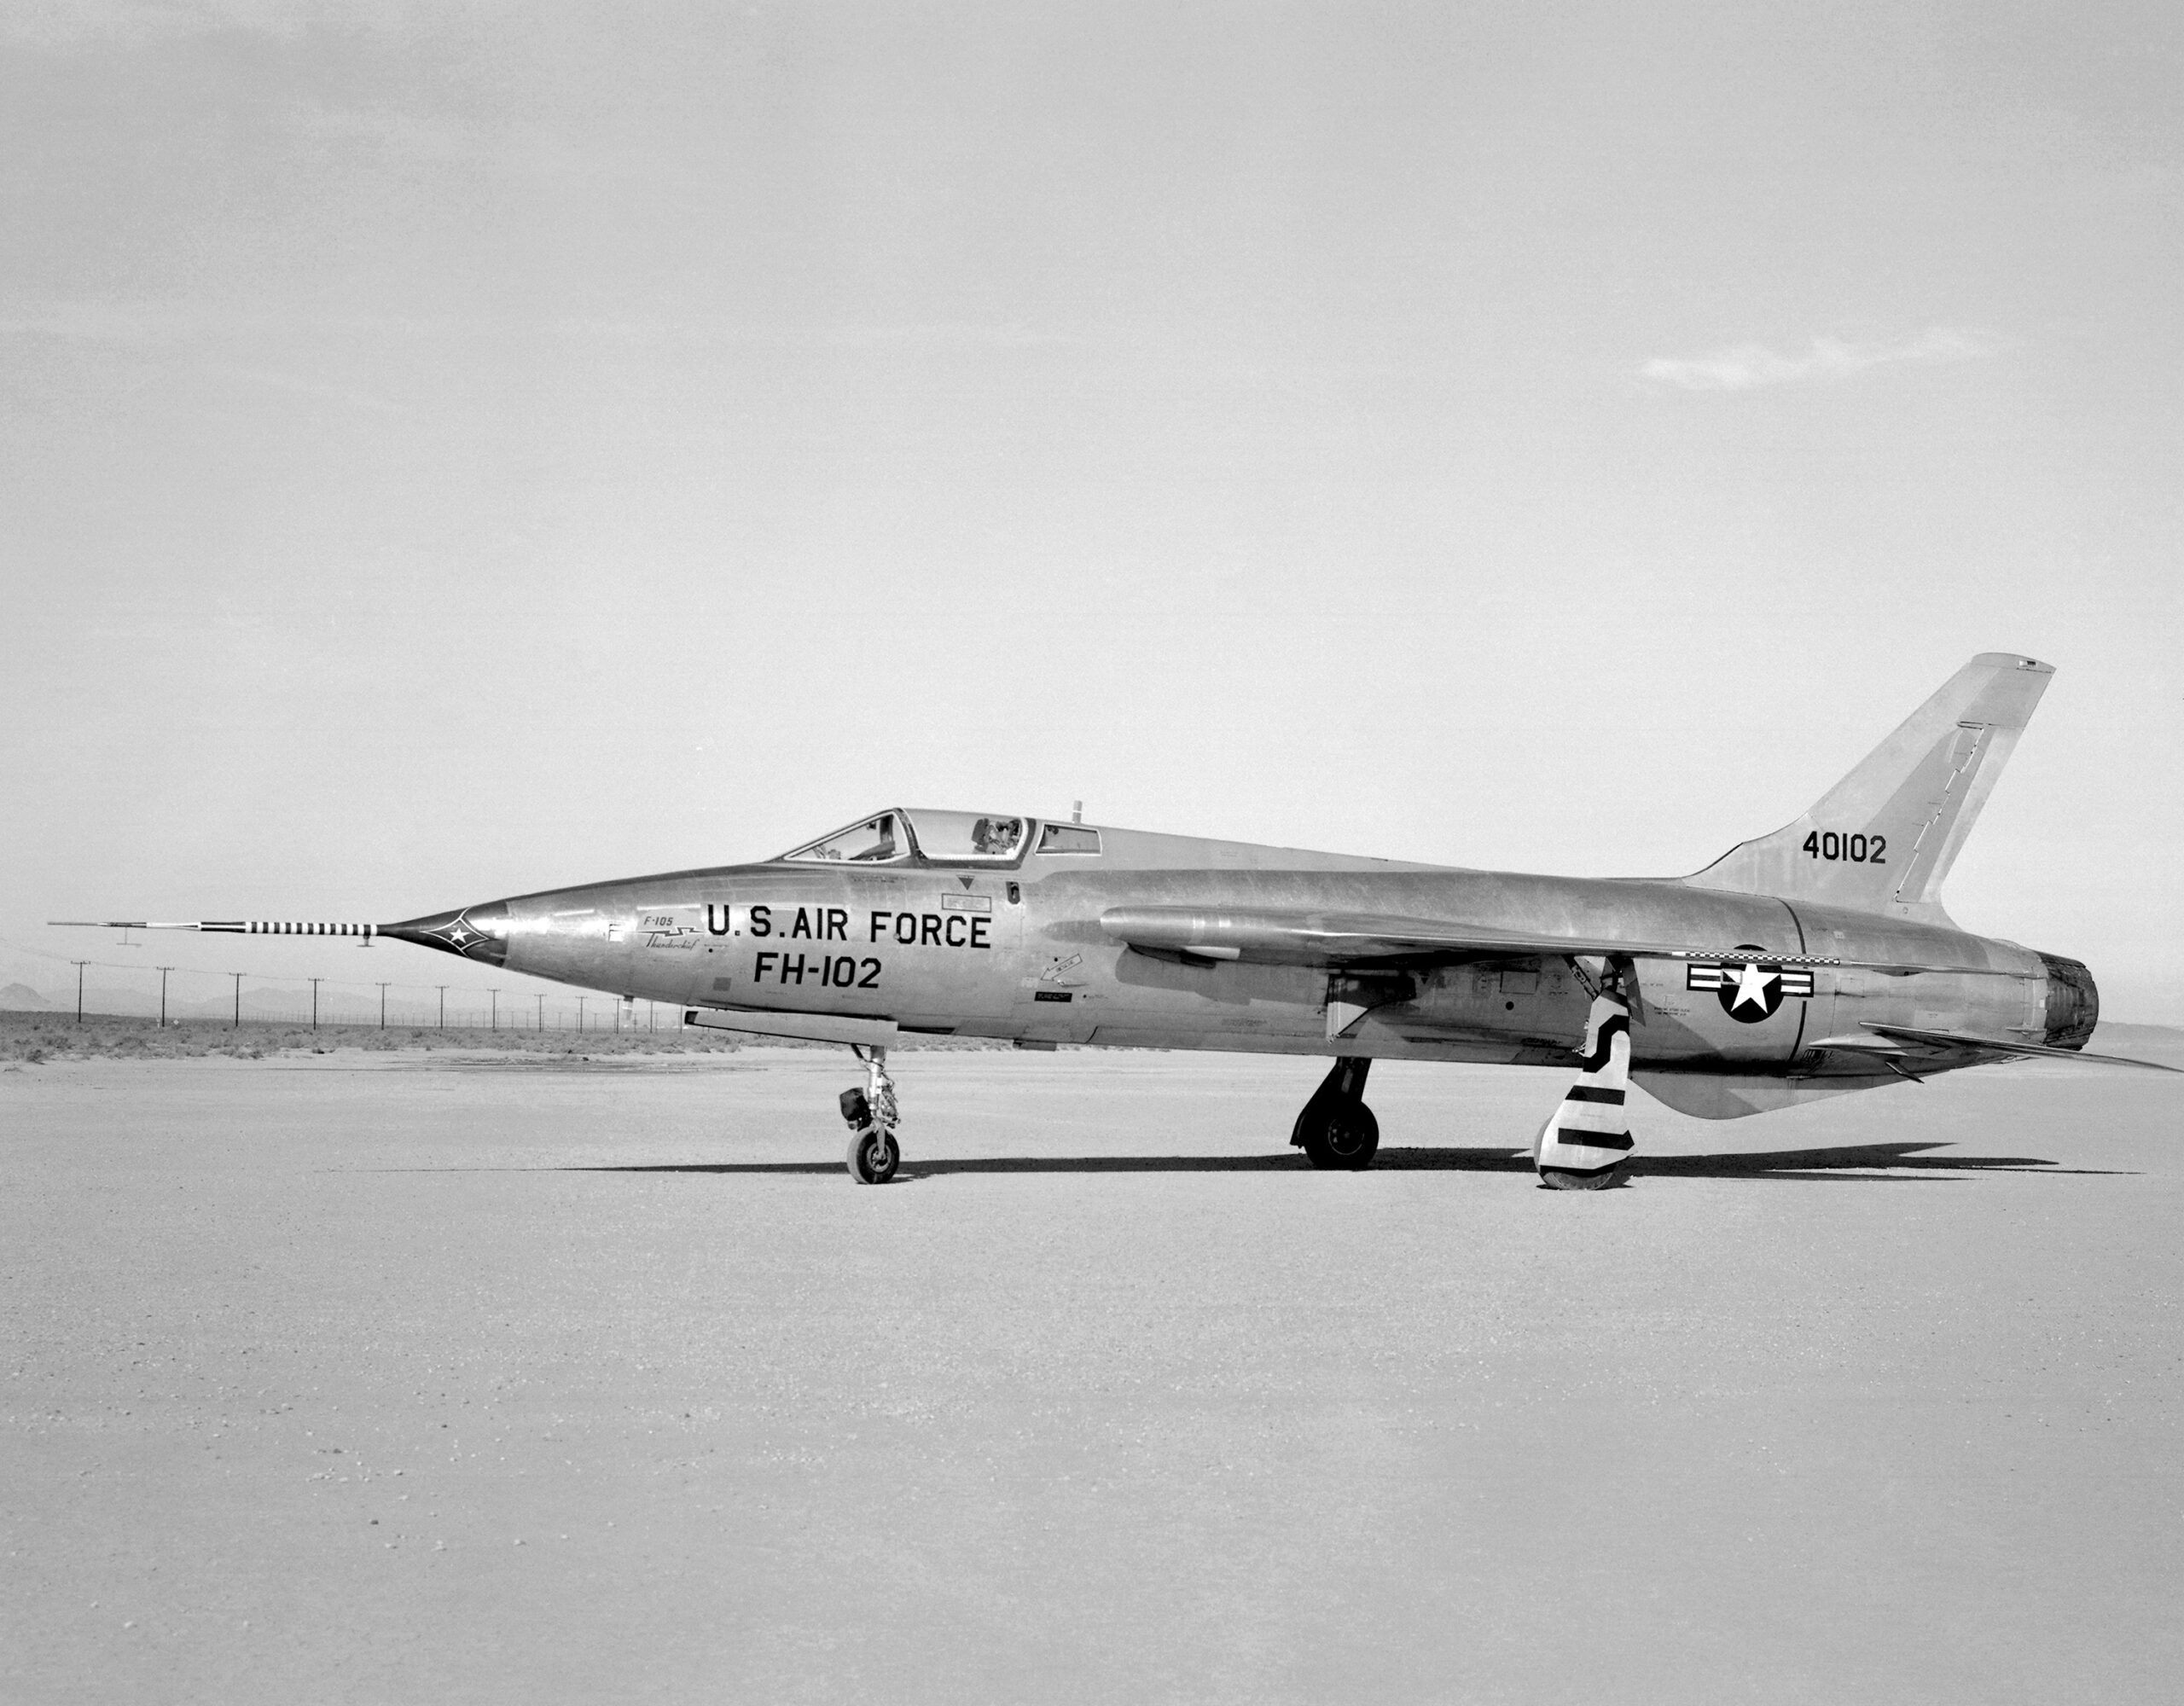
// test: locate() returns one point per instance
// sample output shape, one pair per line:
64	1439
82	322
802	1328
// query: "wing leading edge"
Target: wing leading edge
1277	937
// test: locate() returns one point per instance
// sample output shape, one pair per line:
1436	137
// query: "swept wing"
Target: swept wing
1285	937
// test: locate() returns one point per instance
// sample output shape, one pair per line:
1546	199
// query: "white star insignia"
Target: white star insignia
1752	986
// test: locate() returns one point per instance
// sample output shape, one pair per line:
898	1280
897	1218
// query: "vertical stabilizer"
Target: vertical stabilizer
1883	838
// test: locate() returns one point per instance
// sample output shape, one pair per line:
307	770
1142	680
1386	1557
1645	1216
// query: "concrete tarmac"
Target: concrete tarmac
408	1378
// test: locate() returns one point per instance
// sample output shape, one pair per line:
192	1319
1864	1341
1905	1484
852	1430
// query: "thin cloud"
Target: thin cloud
1747	366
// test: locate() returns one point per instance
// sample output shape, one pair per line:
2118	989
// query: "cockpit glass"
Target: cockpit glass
1068	837
954	836
873	842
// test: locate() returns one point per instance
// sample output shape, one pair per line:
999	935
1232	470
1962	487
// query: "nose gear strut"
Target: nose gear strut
871	1114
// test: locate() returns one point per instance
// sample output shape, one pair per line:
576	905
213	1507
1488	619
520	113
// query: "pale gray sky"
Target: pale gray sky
450	451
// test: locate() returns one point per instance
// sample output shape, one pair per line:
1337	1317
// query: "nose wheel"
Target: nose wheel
874	1155
870	1114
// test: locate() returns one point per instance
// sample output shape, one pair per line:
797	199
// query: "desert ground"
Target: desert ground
402	1376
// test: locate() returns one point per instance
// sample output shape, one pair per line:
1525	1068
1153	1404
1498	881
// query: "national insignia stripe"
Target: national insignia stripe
1794	982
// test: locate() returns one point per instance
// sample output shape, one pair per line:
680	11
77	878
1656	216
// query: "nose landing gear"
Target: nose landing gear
1336	1130
870	1114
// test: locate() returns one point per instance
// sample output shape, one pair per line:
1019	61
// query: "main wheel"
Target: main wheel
873	1157
1343	1136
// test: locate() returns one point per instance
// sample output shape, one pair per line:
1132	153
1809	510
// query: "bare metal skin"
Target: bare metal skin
1808	963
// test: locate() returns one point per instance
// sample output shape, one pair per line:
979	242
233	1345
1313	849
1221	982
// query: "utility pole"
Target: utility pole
580	1012
237	976
315	983
495	994
442	988
540	1000
382	1007
79	965
164	970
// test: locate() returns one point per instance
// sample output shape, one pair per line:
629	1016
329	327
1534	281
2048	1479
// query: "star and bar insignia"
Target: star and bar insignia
1750	991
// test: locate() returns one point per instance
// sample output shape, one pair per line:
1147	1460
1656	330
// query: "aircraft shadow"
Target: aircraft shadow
1872	1163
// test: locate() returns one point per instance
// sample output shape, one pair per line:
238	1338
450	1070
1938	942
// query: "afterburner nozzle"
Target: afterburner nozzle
2073	1001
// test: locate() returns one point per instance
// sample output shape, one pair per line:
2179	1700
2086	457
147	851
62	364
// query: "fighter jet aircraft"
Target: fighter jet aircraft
1806	963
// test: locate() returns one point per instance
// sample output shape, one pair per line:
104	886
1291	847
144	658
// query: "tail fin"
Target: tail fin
1883	838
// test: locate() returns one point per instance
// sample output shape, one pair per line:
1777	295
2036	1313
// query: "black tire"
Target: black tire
873	1157
1342	1137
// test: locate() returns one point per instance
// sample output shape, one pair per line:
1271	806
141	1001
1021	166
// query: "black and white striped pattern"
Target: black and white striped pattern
1749	957
262	927
1794	982
229	926
1587	1140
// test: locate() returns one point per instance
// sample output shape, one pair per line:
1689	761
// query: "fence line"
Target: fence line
203	997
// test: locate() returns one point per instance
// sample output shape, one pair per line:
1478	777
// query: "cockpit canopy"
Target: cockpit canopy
948	837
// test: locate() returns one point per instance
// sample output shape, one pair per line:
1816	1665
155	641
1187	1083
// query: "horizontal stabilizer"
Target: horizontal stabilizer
1909	1049
1919	1038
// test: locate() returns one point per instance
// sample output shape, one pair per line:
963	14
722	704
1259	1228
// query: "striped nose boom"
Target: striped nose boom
223	926
273	927
476	932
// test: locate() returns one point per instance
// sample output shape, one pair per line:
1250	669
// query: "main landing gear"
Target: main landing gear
1336	1129
871	1115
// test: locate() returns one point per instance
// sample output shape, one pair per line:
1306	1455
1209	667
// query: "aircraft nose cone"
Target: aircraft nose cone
475	932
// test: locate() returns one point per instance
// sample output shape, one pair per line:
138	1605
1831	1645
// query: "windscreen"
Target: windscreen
873	842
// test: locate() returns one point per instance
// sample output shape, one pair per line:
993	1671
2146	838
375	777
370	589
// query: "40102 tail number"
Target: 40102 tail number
1856	849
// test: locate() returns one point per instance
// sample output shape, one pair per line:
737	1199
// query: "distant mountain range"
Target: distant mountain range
22	998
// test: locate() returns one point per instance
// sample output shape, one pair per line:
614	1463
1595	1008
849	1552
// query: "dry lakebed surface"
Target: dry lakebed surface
472	1375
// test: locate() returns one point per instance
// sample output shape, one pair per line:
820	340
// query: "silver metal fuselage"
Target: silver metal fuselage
1018	952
